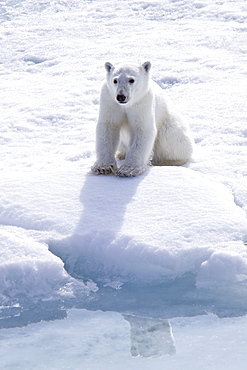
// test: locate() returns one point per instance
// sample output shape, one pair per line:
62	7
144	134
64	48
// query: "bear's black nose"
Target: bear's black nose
121	98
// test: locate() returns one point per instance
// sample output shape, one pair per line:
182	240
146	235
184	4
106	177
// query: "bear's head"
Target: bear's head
128	83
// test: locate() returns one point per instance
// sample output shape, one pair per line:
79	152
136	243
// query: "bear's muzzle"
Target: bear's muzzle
122	99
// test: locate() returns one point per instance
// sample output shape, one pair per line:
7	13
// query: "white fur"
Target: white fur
137	123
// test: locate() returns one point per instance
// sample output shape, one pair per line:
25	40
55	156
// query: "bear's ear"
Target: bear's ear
108	67
146	66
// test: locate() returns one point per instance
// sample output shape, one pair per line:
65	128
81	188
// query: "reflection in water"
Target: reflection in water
150	337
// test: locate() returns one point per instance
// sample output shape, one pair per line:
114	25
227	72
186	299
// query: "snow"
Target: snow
146	230
165	251
101	340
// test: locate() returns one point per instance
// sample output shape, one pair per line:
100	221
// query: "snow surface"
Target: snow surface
169	245
101	340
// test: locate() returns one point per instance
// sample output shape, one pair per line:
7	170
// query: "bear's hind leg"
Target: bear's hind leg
173	145
121	155
124	143
121	152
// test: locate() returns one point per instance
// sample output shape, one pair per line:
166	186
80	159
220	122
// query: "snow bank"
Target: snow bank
165	223
27	267
29	271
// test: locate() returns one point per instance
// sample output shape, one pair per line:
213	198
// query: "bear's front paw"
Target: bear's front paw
103	169
129	171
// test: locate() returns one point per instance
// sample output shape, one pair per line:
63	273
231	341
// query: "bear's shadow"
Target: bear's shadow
104	200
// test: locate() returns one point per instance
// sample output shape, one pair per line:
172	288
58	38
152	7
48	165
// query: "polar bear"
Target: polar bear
137	124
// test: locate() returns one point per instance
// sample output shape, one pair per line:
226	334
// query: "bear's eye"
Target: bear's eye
131	80
115	81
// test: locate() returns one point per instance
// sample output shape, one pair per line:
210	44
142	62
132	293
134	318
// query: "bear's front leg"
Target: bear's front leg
142	140
107	137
